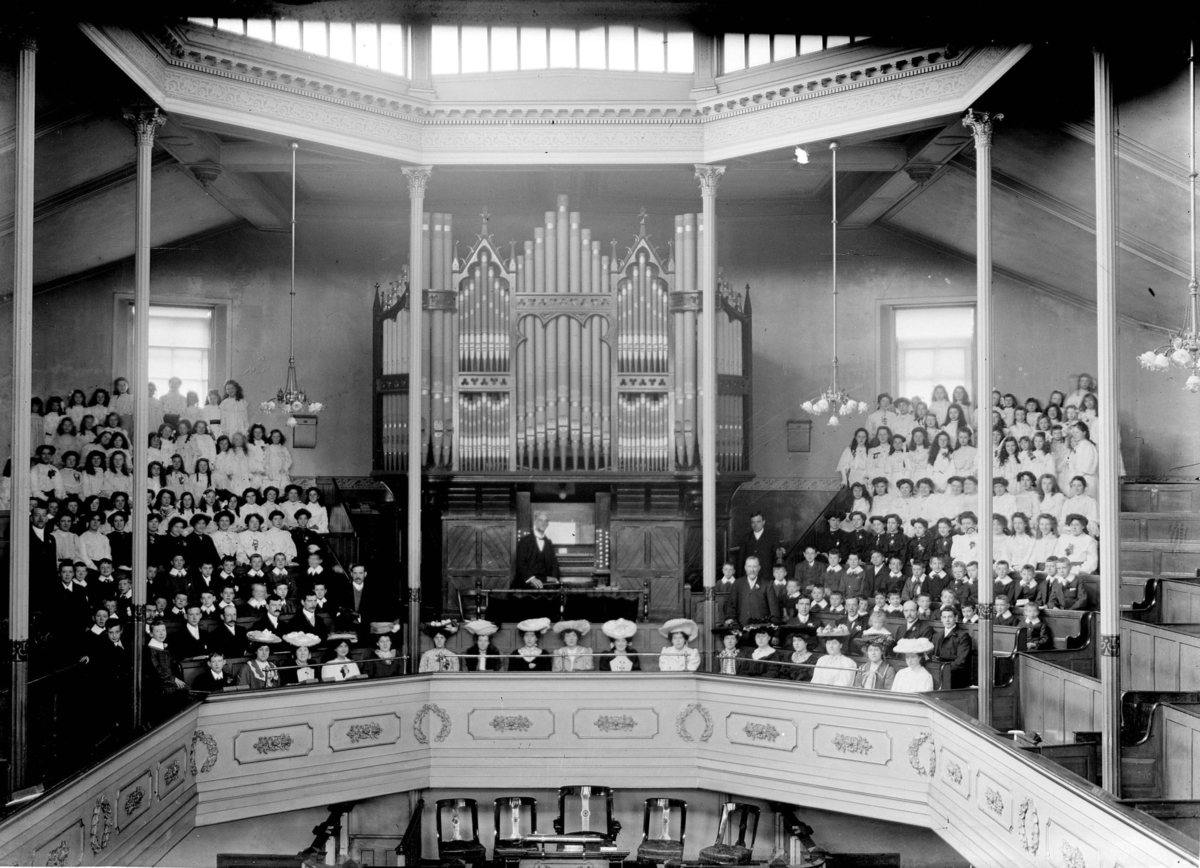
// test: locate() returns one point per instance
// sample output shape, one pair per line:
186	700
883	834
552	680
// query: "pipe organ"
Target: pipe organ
559	355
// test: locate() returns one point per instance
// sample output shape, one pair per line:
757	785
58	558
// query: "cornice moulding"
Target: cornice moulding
395	125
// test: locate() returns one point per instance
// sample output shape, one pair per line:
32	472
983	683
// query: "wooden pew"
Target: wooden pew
1160	657
1159	764
1056	702
1179	602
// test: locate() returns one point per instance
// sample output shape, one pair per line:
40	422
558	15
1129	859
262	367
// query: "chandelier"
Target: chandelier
1183	349
835	400
291	399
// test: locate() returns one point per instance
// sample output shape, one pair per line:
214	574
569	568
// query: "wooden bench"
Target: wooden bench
1160	657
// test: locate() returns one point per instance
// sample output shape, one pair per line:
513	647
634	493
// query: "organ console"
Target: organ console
560	360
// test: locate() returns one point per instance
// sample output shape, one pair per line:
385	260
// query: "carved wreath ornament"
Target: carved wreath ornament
210	747
102	824
852	744
914	754
682	719
419	723
1028	826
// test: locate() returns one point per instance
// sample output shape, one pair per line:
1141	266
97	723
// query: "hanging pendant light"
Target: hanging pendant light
1183	349
291	399
835	400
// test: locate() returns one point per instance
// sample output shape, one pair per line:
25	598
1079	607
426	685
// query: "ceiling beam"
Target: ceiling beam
242	195
1136	153
64	199
48	122
921	166
1077	217
259	157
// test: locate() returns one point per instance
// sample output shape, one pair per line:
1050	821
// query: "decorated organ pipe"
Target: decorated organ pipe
562	356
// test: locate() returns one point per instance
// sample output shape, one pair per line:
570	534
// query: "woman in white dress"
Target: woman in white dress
439	658
939	403
835	668
941	461
1021	544
341	667
572	657
913	678
621	656
235	412
679	655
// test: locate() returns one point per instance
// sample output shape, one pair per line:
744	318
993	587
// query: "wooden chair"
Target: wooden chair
663	847
586	798
516	817
460	845
739	852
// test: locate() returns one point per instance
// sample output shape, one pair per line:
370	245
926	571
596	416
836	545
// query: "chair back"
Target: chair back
462	819
582	803
661	816
746	818
516	817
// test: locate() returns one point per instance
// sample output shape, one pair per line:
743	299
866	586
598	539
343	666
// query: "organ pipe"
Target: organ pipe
562	357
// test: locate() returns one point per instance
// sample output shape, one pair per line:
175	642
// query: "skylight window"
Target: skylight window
747	50
363	43
462	49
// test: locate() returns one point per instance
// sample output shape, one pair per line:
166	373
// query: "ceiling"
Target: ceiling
917	183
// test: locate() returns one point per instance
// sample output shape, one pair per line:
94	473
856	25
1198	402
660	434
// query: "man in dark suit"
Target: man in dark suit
67	607
916	584
272	620
877	575
953	646
758	543
227	637
120	541
361	601
534	563
43	552
752	599
110	672
912	628
307	620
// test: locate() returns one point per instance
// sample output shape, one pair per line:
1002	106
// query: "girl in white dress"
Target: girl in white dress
918	453
318	516
1021	543
852	465
211	413
939	403
941	460
1047	539
835	668
277	461
235	411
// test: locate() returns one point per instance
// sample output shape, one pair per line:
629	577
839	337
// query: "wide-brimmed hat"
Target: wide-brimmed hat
755	627
839	632
533	625
914	646
302	640
686	626
343	636
447	627
381	627
480	627
723	630
263	637
619	628
578	626
878	639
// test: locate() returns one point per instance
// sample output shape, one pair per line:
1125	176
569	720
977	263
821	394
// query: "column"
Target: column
1109	430
418	178
22	390
146	124
708	176
981	125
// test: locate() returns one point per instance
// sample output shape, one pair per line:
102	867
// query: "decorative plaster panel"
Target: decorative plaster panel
848	743
1068	850
956	773
619	722
351	733
278	742
64	847
133	799
995	800
172	771
510	723
773	732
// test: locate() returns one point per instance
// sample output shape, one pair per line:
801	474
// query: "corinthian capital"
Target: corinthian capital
146	123
418	179
709	177
980	123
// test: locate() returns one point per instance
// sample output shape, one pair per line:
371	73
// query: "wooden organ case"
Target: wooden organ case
561	372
